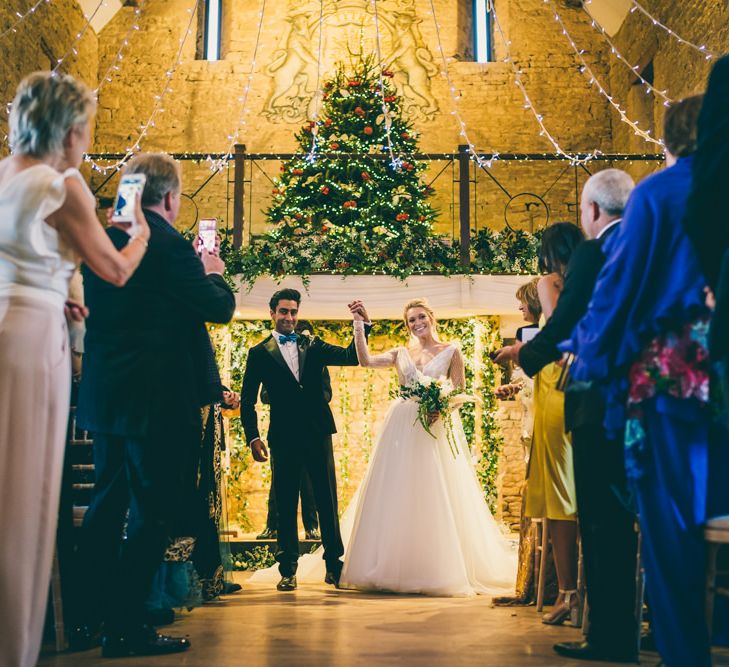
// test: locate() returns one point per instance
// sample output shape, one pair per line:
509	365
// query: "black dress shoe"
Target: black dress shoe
313	534
230	587
83	638
332	578
287	584
141	643
586	651
268	534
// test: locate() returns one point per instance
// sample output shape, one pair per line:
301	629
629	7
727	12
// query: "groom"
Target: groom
290	368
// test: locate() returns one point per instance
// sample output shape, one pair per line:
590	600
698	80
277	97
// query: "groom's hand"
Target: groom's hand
260	453
358	311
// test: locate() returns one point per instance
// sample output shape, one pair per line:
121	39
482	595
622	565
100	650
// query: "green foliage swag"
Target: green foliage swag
477	337
365	213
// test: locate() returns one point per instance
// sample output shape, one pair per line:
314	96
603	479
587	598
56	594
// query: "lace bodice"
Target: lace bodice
447	363
34	258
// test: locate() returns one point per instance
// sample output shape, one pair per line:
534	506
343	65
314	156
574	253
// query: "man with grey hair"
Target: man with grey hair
609	541
148	369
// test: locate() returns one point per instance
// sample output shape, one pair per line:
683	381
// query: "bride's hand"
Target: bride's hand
433	417
357	310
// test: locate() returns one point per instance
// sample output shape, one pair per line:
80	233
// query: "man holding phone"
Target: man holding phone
149	367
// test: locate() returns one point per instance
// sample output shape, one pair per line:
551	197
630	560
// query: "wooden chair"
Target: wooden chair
716	533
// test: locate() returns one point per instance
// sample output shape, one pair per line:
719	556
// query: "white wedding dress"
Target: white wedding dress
419	522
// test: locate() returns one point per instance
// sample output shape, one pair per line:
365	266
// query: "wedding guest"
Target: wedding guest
705	217
523	385
644	336
609	541
147	369
550	490
48	221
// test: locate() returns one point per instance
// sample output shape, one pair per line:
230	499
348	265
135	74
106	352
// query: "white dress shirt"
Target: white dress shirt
610	225
290	353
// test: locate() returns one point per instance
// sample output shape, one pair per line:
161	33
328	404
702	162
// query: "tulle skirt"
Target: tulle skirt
419	522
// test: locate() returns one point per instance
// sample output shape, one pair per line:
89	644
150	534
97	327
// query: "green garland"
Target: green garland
242	334
504	252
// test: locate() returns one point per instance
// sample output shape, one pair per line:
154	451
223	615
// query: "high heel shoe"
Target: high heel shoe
565	610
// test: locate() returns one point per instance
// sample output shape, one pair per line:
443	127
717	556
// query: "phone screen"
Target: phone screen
207	231
129	186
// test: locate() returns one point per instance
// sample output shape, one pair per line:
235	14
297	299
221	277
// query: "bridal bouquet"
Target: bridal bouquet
436	398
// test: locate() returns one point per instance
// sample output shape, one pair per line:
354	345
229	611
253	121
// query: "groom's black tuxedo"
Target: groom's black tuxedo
299	435
293	402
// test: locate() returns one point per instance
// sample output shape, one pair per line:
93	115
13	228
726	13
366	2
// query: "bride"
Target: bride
419	522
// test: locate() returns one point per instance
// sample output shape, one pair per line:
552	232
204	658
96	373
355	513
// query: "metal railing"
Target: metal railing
521	190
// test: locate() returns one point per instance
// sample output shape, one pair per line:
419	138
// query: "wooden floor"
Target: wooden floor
320	626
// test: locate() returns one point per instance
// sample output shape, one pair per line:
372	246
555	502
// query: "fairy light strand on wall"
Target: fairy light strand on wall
395	161
528	104
455	97
21	17
158	108
593	80
218	165
115	67
311	157
708	55
635	69
79	36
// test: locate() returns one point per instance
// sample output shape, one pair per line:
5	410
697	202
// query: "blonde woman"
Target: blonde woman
48	223
421	524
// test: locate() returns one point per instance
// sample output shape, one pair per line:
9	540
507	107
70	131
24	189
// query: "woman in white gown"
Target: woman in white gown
419	522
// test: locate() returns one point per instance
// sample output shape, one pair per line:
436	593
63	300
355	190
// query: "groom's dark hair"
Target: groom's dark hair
287	294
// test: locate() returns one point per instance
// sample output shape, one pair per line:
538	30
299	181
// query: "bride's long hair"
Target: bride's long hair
421	303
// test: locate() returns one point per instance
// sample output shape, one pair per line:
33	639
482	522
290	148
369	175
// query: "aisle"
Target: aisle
319	626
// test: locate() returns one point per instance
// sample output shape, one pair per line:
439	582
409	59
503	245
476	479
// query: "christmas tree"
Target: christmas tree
353	201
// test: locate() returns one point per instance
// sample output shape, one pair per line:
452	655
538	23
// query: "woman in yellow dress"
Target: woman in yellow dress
550	490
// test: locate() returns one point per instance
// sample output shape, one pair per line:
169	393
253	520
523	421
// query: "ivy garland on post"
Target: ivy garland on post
475	335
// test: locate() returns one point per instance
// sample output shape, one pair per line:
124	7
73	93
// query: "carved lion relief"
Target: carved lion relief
348	29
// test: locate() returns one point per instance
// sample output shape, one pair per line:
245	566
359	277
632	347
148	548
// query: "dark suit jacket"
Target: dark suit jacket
705	219
583	405
147	352
297	407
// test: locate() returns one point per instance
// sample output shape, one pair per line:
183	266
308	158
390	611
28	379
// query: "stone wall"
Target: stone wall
202	111
677	69
38	43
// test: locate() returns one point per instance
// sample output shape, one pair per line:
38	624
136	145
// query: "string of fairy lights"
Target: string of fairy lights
593	80
528	104
318	93
217	164
221	163
158	101
79	36
22	16
395	161
115	66
701	49
635	69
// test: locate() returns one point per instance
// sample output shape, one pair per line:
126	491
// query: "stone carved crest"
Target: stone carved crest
348	31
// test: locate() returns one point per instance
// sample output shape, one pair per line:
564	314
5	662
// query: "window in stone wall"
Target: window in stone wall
209	24
482	34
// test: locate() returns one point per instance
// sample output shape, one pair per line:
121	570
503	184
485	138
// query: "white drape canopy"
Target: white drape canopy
327	296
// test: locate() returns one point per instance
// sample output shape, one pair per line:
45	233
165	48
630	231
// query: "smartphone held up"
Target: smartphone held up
130	186
207	231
